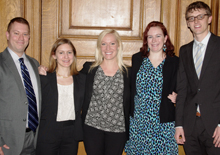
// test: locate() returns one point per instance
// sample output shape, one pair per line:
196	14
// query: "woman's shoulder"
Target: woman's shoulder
174	59
137	55
128	69
48	76
86	67
47	79
80	75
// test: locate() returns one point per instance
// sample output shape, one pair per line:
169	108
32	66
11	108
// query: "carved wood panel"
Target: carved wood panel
82	21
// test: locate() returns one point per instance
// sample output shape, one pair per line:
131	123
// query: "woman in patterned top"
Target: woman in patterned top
153	83
107	98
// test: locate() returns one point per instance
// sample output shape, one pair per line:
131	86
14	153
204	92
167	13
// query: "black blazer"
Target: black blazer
89	89
204	91
170	67
50	105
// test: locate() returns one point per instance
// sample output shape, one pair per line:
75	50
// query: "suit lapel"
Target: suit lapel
126	88
76	89
90	77
53	85
138	63
9	62
208	54
190	61
167	70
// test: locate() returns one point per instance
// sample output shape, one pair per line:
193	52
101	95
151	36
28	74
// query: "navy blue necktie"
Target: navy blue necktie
32	106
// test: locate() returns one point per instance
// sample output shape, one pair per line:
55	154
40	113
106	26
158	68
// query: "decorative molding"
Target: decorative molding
67	30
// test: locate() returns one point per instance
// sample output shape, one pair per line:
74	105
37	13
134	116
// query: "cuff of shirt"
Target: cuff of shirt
181	126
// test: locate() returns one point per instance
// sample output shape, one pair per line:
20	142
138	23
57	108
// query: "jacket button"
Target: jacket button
24	119
198	90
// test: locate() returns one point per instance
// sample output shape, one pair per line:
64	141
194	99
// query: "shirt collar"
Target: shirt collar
14	56
205	40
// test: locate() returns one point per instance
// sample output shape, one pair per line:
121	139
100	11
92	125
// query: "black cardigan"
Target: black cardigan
89	89
170	67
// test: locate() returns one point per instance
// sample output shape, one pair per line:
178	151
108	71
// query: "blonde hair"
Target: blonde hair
98	53
53	62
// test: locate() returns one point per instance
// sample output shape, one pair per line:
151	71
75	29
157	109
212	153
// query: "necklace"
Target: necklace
63	76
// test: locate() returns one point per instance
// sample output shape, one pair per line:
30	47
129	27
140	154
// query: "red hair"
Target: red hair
170	48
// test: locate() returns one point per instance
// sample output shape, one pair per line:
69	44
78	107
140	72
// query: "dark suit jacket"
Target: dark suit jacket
89	89
170	67
14	103
204	91
50	106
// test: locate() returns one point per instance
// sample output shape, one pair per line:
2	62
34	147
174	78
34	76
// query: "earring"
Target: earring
164	47
148	49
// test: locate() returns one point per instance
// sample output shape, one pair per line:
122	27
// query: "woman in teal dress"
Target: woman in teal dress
154	71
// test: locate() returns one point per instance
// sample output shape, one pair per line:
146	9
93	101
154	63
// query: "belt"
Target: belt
67	123
28	130
198	114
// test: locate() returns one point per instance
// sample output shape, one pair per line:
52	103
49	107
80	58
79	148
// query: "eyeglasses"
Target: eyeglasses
199	17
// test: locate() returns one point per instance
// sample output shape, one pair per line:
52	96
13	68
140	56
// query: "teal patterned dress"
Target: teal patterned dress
147	135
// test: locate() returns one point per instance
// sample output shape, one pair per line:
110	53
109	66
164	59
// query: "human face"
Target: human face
199	27
18	38
156	39
109	47
64	55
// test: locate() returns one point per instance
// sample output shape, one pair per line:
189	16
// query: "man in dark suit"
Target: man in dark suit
20	94
198	86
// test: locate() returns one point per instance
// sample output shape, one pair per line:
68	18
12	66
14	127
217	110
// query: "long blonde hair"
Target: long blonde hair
53	62
98	53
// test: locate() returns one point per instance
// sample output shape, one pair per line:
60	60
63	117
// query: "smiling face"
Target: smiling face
109	47
18	37
156	39
64	56
199	27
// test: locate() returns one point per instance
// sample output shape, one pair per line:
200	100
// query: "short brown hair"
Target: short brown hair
53	63
196	6
18	20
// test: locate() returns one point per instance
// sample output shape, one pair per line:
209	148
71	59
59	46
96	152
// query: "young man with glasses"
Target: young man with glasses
198	86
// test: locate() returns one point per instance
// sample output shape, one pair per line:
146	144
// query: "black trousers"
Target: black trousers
99	142
28	148
60	141
200	142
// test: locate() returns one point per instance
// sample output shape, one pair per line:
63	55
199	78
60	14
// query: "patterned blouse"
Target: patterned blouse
106	107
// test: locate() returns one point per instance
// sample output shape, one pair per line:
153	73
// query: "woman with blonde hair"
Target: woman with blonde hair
62	98
106	105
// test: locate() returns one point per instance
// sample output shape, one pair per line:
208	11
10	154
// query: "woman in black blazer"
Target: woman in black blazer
153	83
106	105
62	98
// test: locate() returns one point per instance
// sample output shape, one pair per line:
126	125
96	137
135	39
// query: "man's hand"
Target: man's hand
179	135
1	151
216	137
42	70
172	97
